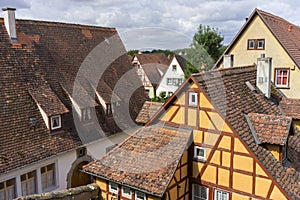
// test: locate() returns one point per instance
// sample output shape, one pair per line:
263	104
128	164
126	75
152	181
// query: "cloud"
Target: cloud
181	16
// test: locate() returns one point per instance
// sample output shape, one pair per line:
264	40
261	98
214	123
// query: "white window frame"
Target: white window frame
55	178
26	183
251	41
193	103
276	77
261	41
199	197
136	198
59	122
200	158
7	189
86	114
128	196
223	192
112	190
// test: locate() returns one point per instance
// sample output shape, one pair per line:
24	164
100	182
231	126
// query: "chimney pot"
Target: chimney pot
263	76
10	22
290	28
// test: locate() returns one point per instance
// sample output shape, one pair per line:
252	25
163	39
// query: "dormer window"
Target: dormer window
86	114
55	122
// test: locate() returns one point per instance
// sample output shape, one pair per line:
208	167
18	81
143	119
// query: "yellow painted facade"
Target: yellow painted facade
280	59
275	150
228	165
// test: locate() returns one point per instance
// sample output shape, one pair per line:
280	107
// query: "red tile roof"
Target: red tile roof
147	160
291	107
228	91
148	110
34	70
286	33
271	129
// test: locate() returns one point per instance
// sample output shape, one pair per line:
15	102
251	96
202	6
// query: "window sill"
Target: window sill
199	160
283	87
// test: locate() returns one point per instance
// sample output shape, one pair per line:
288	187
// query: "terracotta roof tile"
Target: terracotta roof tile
227	90
47	56
148	110
271	129
157	58
147	160
291	107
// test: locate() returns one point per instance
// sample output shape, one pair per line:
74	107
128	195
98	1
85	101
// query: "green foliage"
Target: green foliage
210	39
166	52
132	52
190	69
161	98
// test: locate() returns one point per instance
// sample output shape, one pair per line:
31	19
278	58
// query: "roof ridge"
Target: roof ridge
278	18
58	23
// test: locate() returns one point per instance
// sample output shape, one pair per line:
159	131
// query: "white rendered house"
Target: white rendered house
173	77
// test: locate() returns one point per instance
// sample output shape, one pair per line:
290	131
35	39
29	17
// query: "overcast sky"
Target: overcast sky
147	24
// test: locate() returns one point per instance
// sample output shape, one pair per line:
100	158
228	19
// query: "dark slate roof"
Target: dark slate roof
286	33
147	160
40	69
271	129
182	62
291	107
227	90
148	110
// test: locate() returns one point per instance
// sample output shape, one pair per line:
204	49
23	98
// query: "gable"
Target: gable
229	164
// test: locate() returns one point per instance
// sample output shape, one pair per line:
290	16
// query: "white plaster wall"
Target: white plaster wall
170	74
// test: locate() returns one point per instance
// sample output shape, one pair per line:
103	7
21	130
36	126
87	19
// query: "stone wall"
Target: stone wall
87	192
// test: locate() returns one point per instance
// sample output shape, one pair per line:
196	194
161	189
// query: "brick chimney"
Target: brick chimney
10	23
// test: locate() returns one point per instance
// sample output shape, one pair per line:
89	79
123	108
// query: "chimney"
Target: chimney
228	61
10	22
290	28
263	76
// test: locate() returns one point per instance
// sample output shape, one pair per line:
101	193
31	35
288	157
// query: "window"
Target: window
140	196
126	192
199	153
261	44
221	195
48	177
282	77
28	183
86	114
256	44
113	187
55	122
193	99
174	81
200	192
251	44
7	190
174	68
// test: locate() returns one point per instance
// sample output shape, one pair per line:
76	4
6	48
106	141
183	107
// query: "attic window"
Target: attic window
256	44
55	122
193	99
140	196
174	68
200	153
251	44
86	114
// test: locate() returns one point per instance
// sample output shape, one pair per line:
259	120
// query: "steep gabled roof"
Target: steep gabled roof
291	107
146	161
182	62
40	70
286	33
232	97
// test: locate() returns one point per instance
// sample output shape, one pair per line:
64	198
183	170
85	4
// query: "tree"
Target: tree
210	39
132	52
199	58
